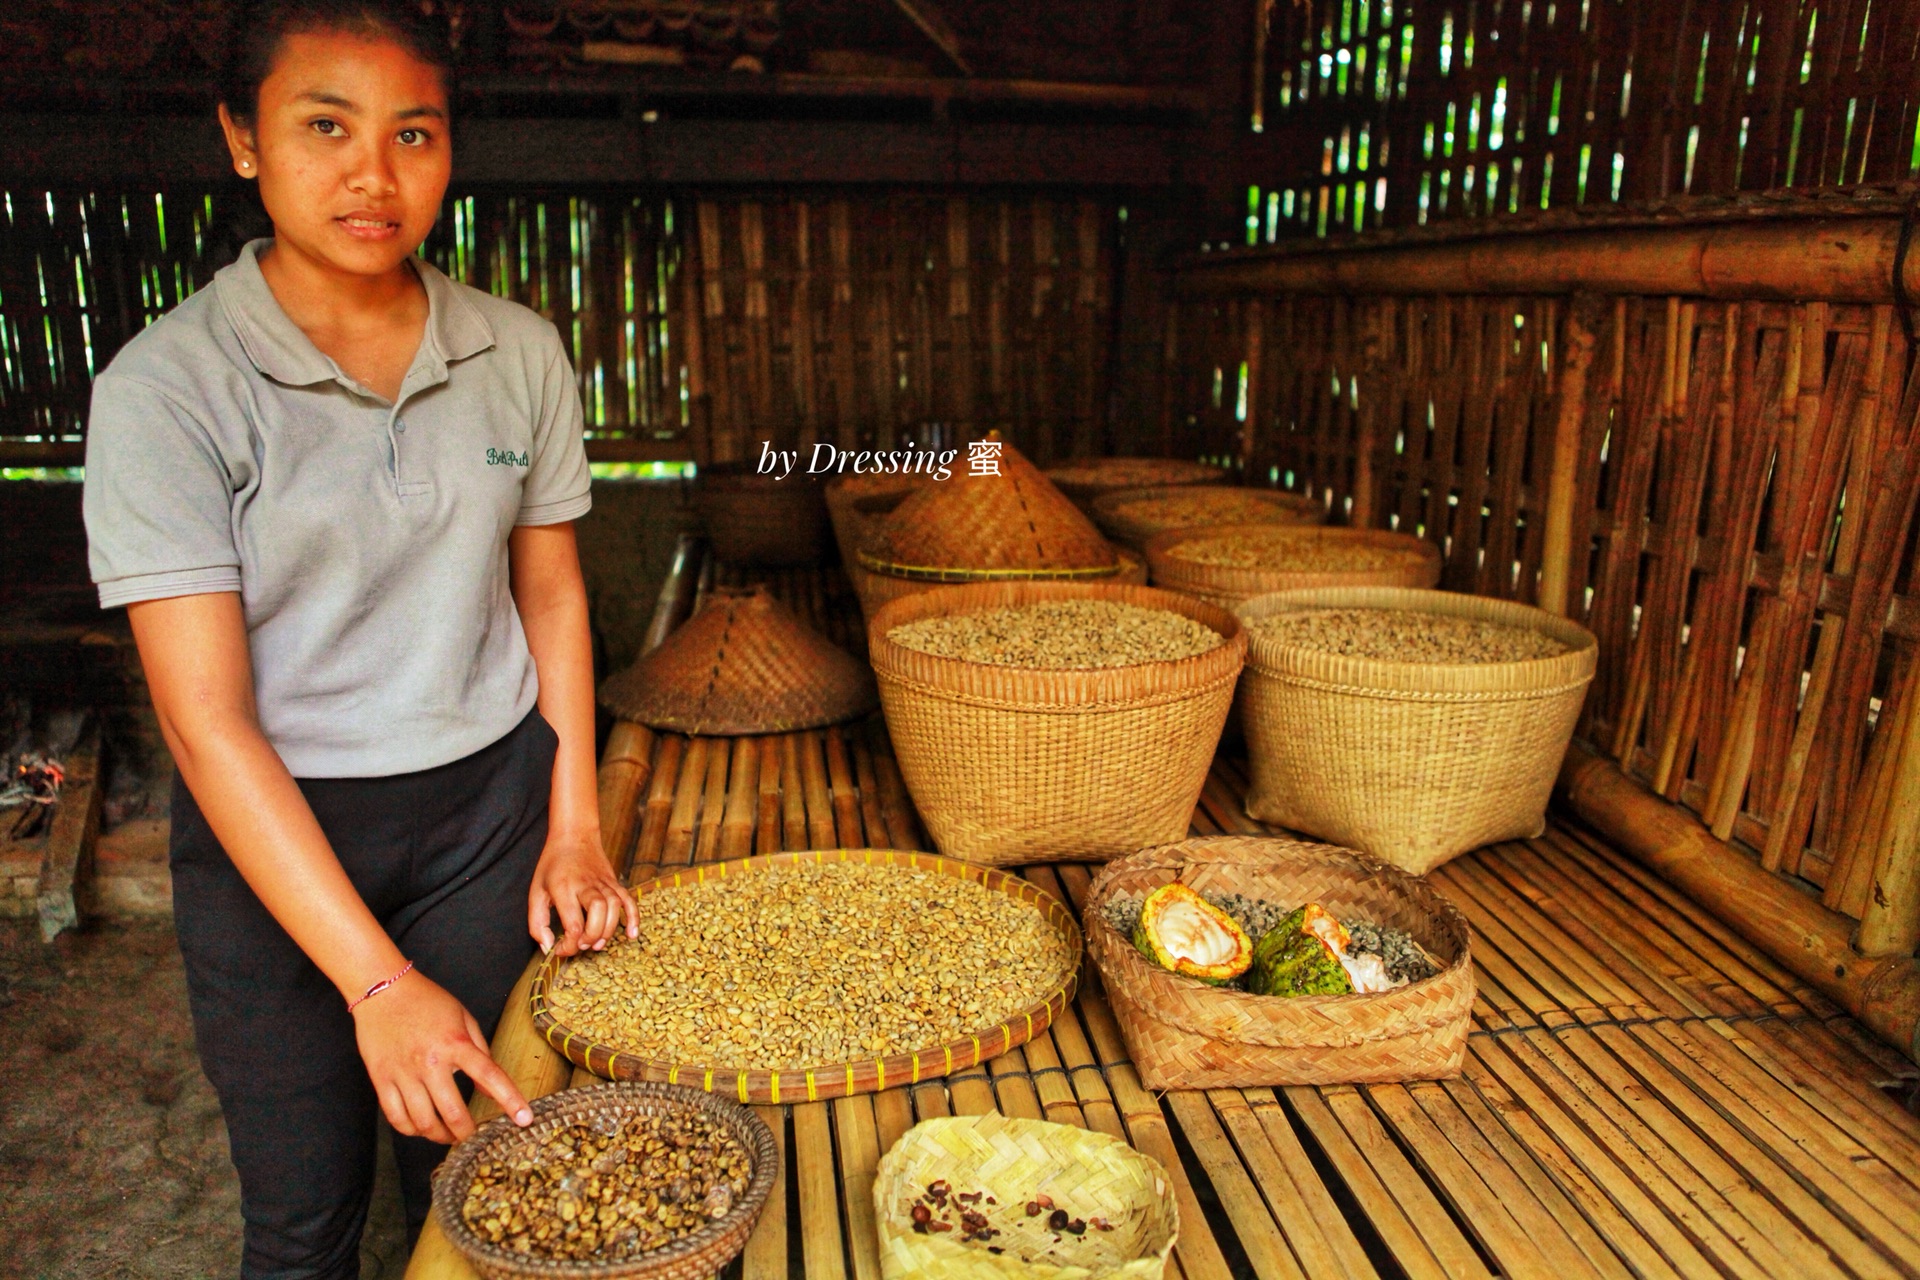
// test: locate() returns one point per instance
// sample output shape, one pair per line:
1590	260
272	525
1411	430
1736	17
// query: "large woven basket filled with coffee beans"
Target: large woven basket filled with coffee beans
1132	517
1412	725
1230	563
616	1182
1004	524
1054	720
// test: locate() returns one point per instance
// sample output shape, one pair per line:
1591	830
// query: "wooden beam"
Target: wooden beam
82	151
1786	922
1831	260
926	15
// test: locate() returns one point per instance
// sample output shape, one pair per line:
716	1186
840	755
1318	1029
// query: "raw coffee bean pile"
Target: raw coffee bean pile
1399	635
1060	634
1190	508
810	965
1293	552
607	1187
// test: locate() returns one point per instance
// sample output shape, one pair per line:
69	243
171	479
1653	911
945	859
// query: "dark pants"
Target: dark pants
443	858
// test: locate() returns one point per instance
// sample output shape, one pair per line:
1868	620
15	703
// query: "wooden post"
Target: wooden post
1788	923
1890	925
1577	345
68	862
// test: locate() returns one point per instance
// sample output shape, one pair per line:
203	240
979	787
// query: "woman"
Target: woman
334	491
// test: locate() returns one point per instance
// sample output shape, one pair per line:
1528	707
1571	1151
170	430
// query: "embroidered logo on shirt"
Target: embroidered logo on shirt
506	458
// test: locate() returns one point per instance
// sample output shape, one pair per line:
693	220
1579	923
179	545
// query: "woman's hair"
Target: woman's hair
260	26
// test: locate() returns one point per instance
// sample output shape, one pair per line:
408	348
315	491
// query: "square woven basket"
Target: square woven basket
1184	1034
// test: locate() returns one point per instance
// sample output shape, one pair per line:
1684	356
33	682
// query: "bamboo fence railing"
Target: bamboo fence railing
697	325
1393	113
1698	440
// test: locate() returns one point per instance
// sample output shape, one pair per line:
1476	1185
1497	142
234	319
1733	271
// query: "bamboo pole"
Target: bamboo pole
1792	926
1578	344
1890	924
1835	260
626	766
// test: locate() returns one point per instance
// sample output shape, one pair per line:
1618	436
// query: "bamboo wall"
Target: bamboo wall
1399	112
1722	489
697	325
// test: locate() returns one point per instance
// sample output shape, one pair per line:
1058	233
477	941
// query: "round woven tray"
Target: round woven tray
694	1257
1418	565
1187	506
1014	764
835	1080
1413	762
1086	1173
1184	1034
1084	479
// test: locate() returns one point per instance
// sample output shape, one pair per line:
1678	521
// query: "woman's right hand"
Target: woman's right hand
413	1036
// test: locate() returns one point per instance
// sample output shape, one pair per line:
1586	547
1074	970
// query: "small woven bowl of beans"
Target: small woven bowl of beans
609	1182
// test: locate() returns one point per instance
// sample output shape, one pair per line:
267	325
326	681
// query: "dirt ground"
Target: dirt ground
113	1156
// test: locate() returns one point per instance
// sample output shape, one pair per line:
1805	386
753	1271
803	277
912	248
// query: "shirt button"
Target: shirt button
400	426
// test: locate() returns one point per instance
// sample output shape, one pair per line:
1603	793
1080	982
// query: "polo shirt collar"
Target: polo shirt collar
278	348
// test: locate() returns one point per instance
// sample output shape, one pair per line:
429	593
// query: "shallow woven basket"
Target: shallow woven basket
1187	506
876	589
1014	764
1084	479
1184	1034
694	1257
1414	763
745	663
758	521
835	1080
1086	1173
1227	585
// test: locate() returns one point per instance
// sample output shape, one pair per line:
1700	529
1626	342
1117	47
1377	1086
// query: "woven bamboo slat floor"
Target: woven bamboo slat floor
1645	1094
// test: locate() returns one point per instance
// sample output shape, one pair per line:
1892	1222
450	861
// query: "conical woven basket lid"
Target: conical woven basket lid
743	664
1013	523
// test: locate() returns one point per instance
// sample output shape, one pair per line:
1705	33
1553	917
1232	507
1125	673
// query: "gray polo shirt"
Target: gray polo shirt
367	539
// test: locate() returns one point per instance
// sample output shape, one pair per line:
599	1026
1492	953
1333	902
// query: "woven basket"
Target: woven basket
837	1080
1133	516
1014	765
694	1257
876	589
757	521
853	500
1087	1174
1417	563
1411	762
1084	479
1184	1034
744	664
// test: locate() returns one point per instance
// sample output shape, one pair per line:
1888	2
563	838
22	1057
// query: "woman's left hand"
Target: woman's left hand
575	879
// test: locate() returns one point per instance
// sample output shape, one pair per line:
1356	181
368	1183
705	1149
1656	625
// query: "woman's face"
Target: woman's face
351	148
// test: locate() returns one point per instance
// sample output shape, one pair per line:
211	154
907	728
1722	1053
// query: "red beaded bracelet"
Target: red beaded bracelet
379	986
